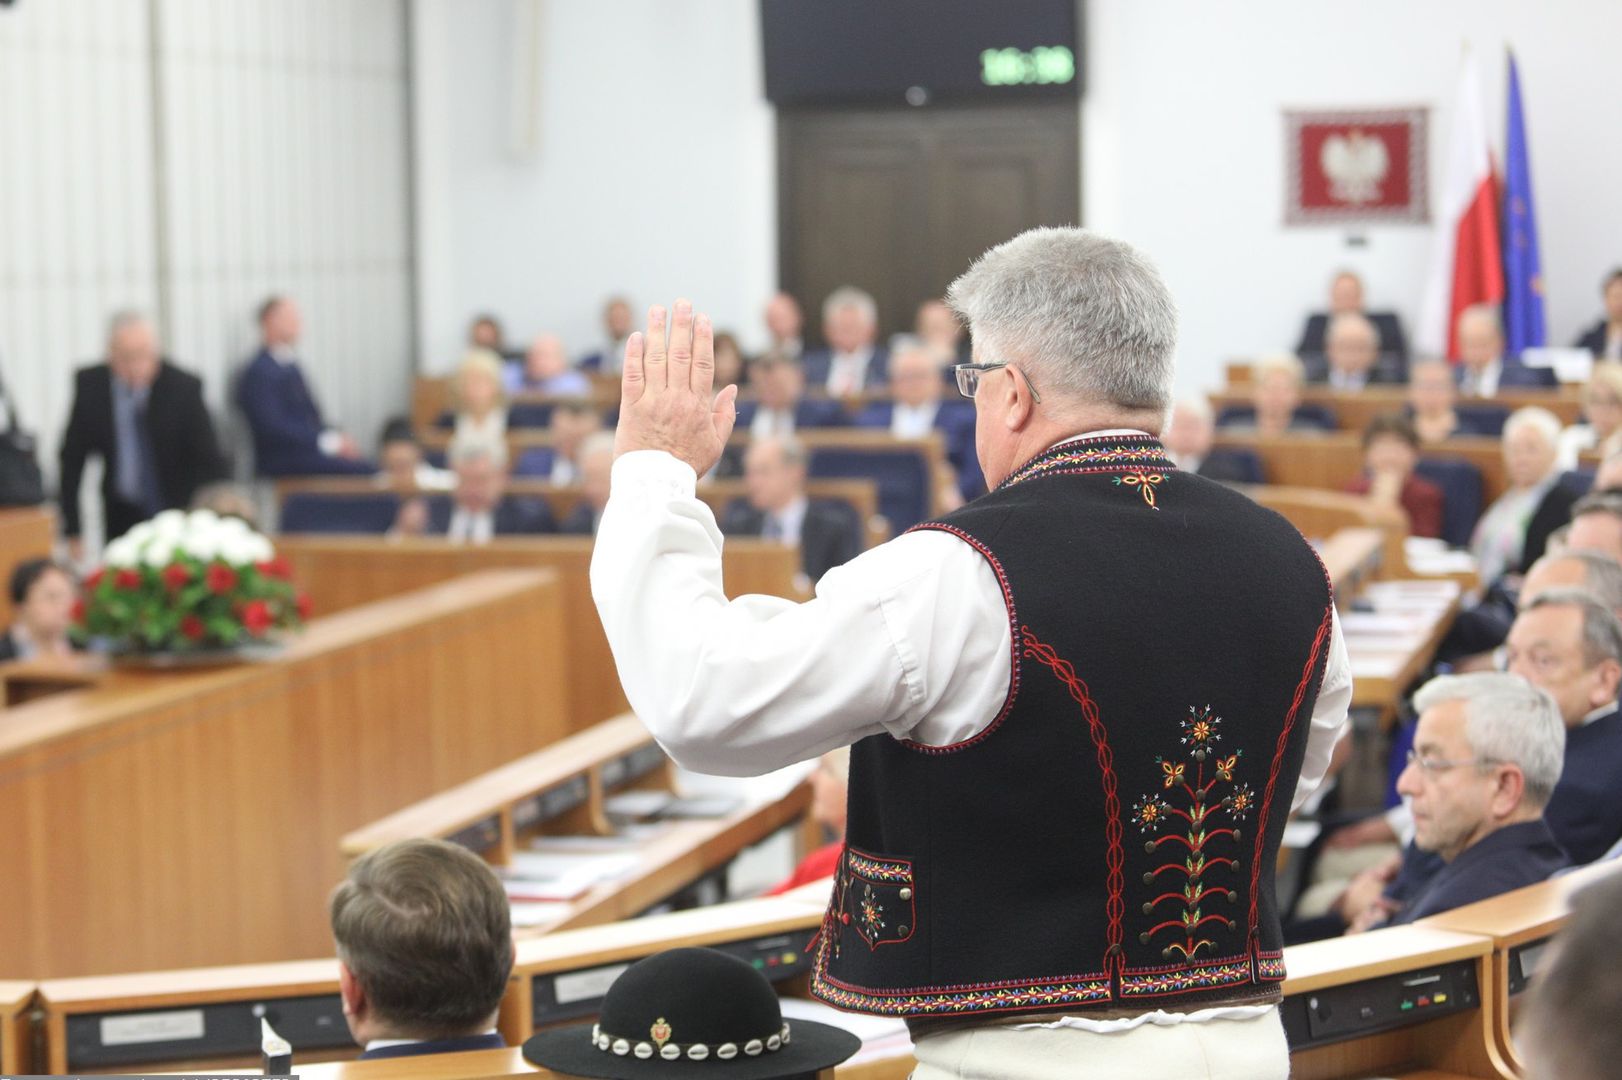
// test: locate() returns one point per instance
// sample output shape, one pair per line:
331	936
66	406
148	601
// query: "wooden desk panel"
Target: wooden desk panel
1354	410
1331	461
16	1048
166	819
25	533
341	572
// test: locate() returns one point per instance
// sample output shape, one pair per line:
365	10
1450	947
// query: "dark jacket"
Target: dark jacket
1593	339
286	421
1553	511
818	362
830	536
1512	374
1514	856
809	412
1230	465
1392	365
1585	813
185	453
581	521
493	1041
955	421
513	517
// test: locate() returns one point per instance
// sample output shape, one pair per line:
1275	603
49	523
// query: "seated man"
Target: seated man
545	370
1596	524
827	531
402	467
596	459
289	436
1486	757
43	596
1346	298
938	326
1576	568
1433	396
780	407
1568	643
1390	452
784	327
1189	438
1483	369
851	362
425	947
916	408
1351	353
479	507
572	423
610	355
1604	338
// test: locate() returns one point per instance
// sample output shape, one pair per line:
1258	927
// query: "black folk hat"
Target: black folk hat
691	1013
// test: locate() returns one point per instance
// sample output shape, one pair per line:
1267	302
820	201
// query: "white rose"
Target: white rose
170	523
121	553
160	551
202	521
238	550
259	548
202	545
139	535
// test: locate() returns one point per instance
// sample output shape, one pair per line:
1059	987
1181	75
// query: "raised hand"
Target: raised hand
665	392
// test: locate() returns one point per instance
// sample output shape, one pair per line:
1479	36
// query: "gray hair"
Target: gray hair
1509	722
123	319
850	296
1602	633
1545	422
473	451
1351	322
1602	575
1599	502
1084	314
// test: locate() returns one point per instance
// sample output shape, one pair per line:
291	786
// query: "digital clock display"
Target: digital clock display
1050	66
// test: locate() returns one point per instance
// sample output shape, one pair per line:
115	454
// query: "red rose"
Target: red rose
95	578
256	617
304	606
192	628
176	575
276	568
78	612
221	579
127	579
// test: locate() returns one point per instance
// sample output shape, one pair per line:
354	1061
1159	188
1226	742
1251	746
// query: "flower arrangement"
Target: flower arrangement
189	583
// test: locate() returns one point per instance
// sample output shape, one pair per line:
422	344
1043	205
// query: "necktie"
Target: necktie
146	467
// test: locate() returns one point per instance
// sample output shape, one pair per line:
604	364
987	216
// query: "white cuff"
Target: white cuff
654	472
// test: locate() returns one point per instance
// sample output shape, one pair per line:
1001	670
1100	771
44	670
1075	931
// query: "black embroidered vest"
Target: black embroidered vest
1108	842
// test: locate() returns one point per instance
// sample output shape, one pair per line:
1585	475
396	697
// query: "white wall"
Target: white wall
654	172
1182	153
1183	150
281	140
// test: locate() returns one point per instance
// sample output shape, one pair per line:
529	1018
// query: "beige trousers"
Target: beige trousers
1251	1049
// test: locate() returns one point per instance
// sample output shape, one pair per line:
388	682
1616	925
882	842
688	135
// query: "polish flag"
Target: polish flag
1467	264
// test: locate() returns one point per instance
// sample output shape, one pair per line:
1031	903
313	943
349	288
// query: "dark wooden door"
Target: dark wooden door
900	201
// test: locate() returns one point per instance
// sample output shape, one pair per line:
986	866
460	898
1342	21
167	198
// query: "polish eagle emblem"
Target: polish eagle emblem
1356	164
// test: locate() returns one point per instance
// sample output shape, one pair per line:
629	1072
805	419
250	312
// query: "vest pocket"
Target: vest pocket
877	898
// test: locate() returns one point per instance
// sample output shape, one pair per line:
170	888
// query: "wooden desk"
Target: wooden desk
16	999
160	819
1352	558
1354	409
1449	1043
862	495
1518	923
1383	664
1332	460
26	532
342	572
431	397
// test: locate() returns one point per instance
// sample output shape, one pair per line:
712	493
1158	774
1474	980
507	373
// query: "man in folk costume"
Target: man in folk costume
1082	706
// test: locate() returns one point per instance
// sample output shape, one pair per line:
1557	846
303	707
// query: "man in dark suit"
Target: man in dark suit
289	436
1189	439
1604	338
424	937
479	508
851	362
1350	360
1346	297
780	407
1483	369
146	420
1486	757
916	408
596	461
828	533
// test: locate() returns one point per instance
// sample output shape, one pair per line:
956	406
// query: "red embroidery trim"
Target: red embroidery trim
1115	907
1319	641
1013	643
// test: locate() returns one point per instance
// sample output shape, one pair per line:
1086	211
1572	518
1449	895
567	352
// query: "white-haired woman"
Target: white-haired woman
481	402
1602	412
1515	529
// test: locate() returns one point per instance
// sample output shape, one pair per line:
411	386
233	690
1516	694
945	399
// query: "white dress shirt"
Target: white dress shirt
786	525
910	638
467	527
913	421
1484	384
771	423
847	372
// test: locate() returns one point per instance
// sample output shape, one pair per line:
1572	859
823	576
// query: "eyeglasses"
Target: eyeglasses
1431	766
968	378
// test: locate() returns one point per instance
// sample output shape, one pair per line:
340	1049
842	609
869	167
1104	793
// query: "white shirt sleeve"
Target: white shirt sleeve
910	638
1328	716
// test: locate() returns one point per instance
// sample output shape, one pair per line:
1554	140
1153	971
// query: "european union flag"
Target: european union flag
1523	268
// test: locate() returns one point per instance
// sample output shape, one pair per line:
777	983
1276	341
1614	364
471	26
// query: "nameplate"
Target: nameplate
152	1027
586	985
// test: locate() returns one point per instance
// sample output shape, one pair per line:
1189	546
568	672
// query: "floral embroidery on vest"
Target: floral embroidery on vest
1142	465
1179	816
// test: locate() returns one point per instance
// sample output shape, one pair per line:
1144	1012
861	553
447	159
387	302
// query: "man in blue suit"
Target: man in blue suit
1483	368
852	362
424	936
916	409
289	436
780	407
